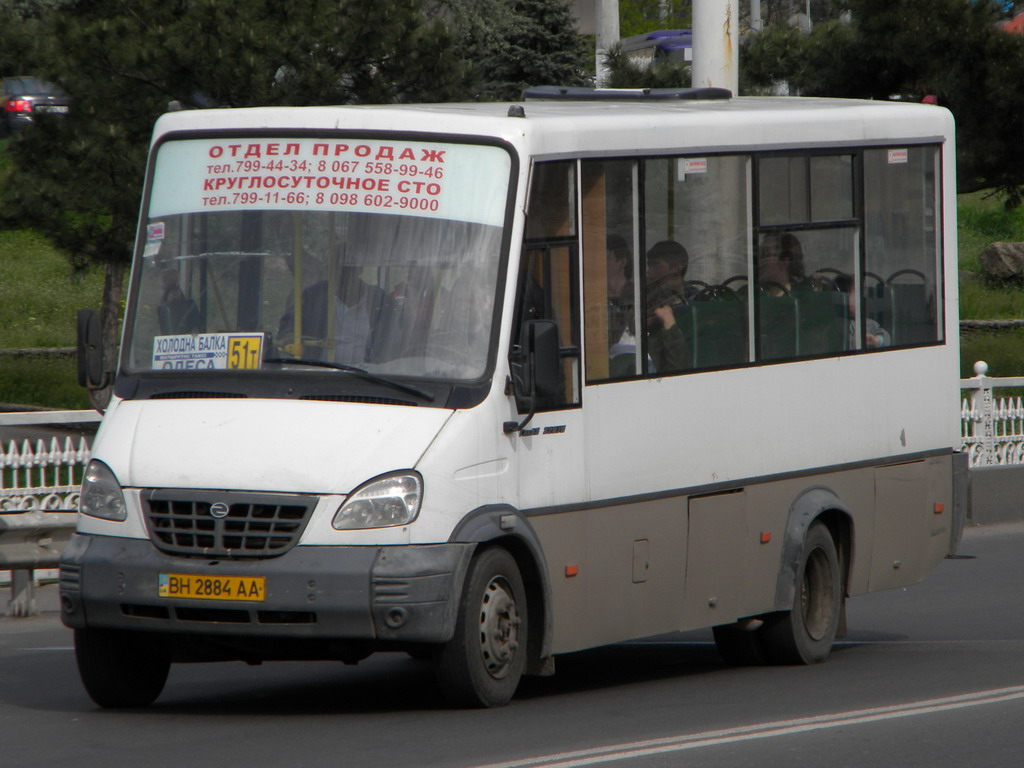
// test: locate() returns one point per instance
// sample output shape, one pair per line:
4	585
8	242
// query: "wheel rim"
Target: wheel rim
816	595
499	627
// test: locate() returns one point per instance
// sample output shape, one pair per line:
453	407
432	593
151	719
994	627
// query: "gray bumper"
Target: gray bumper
384	594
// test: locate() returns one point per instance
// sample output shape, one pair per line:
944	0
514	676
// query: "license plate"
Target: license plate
54	108
202	587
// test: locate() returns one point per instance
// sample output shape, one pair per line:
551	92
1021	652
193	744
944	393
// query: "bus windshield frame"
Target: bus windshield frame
266	262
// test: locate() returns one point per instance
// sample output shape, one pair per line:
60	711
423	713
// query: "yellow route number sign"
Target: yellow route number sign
245	351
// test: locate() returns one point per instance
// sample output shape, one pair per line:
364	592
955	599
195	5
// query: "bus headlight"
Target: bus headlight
386	501
101	493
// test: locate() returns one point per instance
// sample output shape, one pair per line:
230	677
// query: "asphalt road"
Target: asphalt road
928	676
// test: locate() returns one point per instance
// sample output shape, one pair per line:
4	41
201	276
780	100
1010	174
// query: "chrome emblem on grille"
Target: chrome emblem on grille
219	510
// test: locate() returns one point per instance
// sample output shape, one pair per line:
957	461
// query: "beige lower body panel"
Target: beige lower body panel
686	562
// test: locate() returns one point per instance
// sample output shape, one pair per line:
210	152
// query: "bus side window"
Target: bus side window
609	269
549	273
547	292
903	241
809	244
696	267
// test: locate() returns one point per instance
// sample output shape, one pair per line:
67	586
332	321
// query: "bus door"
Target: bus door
550	447
550	443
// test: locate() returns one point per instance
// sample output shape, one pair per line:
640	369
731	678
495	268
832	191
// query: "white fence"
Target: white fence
991	427
41	475
39	482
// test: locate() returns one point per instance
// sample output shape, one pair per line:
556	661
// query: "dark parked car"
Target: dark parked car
22	98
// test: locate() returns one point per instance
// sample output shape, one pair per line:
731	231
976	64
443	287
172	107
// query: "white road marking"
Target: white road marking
681	743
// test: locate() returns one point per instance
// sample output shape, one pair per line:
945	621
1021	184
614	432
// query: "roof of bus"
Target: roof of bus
552	128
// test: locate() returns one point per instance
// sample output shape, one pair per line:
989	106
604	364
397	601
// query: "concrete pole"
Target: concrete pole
607	31
755	15
716	41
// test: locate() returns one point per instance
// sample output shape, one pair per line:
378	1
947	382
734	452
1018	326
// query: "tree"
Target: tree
123	62
534	44
907	49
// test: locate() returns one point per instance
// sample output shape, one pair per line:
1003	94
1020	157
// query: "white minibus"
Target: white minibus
490	383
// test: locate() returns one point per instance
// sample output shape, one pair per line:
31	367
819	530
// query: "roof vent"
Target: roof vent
516	110
557	93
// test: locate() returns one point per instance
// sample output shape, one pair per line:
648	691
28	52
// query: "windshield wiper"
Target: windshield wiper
361	372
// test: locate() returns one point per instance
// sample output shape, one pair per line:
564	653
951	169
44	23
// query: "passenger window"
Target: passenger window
696	254
805	279
552	209
797	190
831	187
609	269
782	190
808	280
902	288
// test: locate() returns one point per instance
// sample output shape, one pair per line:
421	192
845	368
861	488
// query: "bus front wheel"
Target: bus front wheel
805	633
121	669
482	664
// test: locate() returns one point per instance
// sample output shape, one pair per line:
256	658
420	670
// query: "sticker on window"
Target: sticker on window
198	351
691	165
898	156
154	237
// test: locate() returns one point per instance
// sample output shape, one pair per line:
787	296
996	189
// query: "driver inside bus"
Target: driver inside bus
359	311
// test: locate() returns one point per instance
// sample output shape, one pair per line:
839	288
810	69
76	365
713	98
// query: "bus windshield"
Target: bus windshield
301	255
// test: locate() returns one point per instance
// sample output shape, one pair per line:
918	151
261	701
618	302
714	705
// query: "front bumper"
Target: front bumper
376	595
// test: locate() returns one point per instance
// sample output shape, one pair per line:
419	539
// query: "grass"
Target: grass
40	294
1002	350
981	221
48	382
39	297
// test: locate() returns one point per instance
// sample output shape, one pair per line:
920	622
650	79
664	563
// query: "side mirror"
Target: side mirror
544	359
90	350
538	363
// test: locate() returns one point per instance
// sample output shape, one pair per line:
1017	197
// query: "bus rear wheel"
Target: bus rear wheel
121	669
482	664
805	633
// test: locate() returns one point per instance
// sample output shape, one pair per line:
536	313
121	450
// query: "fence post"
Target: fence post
23	597
981	403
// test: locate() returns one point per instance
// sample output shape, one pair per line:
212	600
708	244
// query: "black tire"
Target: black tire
739	647
482	664
121	669
805	633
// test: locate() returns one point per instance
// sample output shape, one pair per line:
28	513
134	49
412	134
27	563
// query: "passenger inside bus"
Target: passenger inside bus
874	334
621	325
667	297
620	291
780	264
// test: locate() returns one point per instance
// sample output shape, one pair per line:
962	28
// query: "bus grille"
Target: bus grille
244	526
